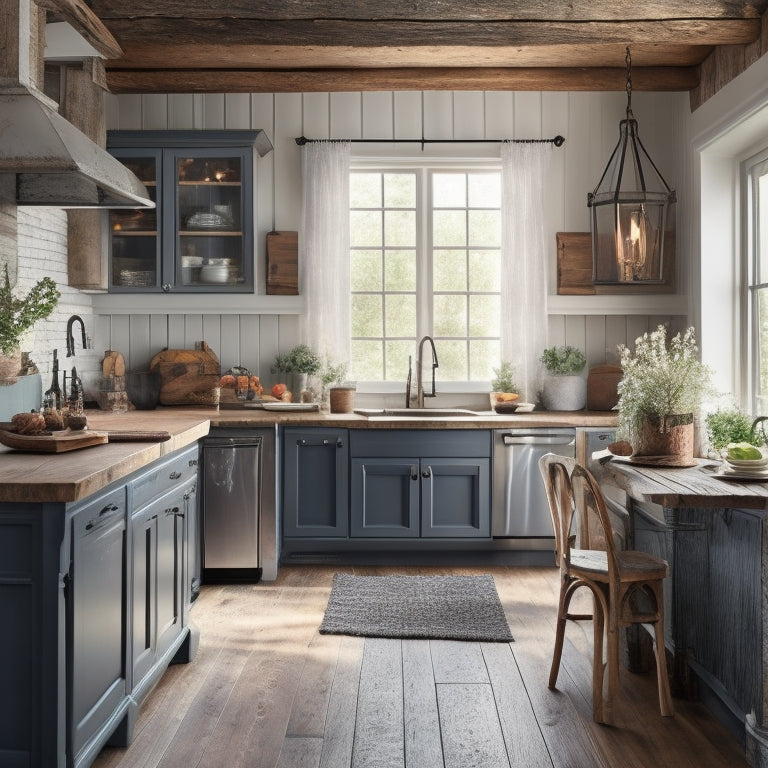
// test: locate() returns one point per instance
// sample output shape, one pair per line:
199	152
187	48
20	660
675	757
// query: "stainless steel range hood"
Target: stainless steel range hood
57	165
53	162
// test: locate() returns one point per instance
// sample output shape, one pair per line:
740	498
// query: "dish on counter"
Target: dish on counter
291	406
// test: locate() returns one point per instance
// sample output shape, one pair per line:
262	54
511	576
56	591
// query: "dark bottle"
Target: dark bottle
54	395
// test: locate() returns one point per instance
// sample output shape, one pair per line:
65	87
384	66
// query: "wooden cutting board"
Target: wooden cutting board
56	442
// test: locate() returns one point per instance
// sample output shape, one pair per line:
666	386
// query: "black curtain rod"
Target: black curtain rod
558	141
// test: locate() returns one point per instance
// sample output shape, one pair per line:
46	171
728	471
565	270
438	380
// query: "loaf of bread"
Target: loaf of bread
28	423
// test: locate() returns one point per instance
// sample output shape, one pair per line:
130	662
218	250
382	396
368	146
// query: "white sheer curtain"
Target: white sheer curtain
324	249
524	252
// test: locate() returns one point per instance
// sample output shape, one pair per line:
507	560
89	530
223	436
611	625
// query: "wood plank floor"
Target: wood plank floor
266	690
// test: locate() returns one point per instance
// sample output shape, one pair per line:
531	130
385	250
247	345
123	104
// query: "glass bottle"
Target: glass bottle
54	394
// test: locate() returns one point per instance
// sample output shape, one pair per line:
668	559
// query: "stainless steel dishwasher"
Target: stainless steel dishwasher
519	505
238	490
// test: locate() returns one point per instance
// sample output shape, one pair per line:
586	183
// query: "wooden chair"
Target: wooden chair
626	585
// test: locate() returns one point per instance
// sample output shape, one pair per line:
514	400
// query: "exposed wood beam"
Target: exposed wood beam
446	10
424	78
277	57
87	23
318	32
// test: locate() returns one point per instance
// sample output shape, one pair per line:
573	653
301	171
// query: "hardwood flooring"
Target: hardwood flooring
266	690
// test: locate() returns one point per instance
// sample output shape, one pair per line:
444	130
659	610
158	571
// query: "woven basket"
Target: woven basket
342	399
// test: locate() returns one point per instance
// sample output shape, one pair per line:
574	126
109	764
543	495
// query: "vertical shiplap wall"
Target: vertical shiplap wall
589	122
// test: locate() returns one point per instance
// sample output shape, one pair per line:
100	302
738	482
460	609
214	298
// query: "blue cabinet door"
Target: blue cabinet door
455	498
385	497
315	482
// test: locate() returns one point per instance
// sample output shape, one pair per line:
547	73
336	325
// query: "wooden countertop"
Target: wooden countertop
672	487
237	418
73	475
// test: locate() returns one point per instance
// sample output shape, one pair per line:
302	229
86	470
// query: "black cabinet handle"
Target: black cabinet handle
166	287
109	508
414	473
426	472
193	462
174	475
339	443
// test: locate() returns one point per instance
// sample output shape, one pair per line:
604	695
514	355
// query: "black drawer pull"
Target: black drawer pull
414	473
109	508
174	475
426	472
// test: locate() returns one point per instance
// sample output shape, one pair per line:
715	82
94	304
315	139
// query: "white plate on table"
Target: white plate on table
735	474
290	406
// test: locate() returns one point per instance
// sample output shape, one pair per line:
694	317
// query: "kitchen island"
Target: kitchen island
714	535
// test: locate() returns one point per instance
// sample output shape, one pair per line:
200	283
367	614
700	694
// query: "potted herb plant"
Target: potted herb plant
503	387
660	392
565	389
330	375
18	315
301	363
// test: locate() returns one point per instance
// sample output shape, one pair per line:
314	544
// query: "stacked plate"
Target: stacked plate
747	468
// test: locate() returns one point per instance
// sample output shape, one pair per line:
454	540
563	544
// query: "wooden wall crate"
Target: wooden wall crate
574	269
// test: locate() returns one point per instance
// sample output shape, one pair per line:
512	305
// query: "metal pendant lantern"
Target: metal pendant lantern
632	211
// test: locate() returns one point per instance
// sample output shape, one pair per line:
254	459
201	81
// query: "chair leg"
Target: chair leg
598	668
662	679
562	617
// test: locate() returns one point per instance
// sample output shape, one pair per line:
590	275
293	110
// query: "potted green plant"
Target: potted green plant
565	389
18	314
503	387
301	363
660	392
330	375
730	425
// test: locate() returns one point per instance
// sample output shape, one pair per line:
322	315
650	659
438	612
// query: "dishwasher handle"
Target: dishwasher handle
539	440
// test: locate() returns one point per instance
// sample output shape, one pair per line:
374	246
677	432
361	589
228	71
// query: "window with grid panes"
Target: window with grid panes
756	178
425	260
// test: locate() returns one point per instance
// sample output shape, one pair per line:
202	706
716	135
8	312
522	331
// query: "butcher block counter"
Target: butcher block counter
714	535
73	475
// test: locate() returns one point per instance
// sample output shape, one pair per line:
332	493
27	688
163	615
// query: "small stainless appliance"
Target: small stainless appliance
238	490
519	506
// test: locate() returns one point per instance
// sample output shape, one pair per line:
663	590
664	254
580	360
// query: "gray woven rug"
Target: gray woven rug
435	607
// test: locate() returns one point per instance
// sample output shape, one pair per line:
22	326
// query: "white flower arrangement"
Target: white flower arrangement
660	380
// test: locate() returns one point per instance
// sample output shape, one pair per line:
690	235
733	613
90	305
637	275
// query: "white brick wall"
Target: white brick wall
42	244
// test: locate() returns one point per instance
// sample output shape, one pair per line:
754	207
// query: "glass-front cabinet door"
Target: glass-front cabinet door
135	237
200	238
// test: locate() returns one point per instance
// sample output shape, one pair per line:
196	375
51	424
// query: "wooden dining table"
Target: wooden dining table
712	530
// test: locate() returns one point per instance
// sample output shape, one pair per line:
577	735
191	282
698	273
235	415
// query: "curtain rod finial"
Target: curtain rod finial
301	140
558	141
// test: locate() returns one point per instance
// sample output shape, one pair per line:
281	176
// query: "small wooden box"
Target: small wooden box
574	269
283	263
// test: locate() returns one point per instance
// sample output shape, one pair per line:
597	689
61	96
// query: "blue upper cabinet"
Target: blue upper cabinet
200	237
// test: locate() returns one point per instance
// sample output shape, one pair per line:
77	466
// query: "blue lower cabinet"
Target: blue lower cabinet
315	482
455	498
385	497
420	497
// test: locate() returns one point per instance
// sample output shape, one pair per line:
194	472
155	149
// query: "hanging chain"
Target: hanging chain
628	59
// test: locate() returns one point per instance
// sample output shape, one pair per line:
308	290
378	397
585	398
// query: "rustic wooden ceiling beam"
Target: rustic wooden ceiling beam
447	10
87	23
233	32
277	57
422	78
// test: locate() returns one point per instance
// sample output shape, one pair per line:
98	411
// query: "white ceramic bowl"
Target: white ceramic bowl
214	273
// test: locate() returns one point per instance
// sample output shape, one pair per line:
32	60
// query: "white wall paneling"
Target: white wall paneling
253	329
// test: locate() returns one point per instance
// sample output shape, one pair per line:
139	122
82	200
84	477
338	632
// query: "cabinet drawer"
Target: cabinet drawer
442	443
99	511
177	470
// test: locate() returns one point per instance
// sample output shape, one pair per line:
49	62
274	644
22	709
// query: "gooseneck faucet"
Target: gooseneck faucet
70	338
420	395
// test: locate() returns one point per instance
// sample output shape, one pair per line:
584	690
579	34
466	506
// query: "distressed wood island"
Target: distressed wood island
714	535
